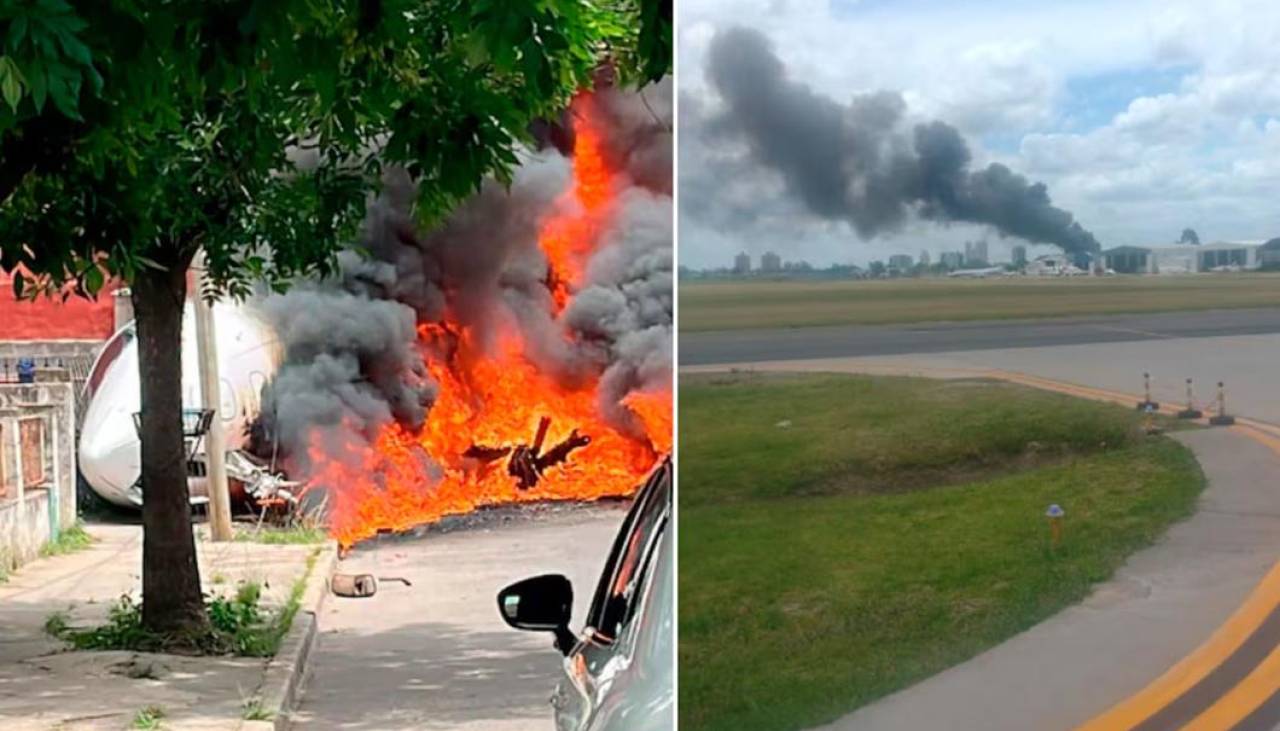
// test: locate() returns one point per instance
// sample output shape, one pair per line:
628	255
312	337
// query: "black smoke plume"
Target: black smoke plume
853	162
354	361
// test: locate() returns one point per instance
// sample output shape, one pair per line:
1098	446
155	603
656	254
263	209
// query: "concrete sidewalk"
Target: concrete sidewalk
43	686
1163	603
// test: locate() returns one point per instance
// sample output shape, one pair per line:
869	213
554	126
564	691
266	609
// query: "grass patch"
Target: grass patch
148	718
238	625
297	534
820	568
69	540
756	304
783	435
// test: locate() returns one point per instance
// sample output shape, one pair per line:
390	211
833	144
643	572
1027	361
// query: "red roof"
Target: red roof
53	319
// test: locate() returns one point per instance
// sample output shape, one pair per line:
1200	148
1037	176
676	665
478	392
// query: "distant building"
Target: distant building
742	263
1269	254
1019	256
924	257
1050	265
1129	260
975	254
770	262
1186	258
901	262
951	259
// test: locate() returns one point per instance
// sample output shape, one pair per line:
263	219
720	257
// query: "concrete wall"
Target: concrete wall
56	360
37	463
24	528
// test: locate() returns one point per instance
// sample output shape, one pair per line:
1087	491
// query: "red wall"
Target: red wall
53	319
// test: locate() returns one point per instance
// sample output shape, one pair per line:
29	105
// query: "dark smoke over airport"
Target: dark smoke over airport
859	162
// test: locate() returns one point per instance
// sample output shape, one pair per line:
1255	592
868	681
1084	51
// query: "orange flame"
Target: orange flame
570	235
493	398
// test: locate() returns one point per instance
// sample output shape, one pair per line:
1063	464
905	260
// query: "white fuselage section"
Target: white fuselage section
110	456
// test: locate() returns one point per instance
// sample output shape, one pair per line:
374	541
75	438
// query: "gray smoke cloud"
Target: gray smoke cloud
856	162
354	362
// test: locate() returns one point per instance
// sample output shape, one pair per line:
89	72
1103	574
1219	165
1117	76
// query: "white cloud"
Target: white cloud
1205	153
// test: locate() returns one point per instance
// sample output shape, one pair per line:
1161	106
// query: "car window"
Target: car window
619	587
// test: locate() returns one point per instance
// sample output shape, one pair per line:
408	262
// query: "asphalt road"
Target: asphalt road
436	655
744	346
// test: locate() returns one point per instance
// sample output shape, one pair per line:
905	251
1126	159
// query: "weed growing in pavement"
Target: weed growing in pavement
69	540
56	623
253	711
148	718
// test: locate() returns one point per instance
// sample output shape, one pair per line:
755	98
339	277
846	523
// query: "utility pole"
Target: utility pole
215	442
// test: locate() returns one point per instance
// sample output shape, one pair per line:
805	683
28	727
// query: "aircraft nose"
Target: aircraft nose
110	454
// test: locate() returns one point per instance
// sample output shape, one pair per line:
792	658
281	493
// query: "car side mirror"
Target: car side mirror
540	604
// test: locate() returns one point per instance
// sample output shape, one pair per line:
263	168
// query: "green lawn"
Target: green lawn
740	305
893	529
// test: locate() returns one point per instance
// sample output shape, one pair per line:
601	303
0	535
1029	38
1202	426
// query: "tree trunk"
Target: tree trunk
171	598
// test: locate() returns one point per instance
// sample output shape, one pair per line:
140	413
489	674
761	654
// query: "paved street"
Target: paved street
436	655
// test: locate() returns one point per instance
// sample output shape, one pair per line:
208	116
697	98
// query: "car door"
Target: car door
607	642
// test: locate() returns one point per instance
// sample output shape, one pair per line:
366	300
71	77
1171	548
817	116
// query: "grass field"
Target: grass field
842	536
738	305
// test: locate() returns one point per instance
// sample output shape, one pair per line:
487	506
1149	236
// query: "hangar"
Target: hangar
1186	258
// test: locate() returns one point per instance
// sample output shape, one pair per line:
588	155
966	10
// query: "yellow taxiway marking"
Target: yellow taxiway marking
1236	704
1193	668
1251	692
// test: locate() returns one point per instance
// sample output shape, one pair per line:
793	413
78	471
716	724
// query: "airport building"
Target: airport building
1050	265
1186	258
1269	253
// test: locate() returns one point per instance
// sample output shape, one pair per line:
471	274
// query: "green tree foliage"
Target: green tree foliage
135	132
158	127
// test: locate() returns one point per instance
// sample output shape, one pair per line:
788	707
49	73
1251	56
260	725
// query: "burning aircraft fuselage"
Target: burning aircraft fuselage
110	450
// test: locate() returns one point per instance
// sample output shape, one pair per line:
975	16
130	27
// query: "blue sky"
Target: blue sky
1092	101
1141	118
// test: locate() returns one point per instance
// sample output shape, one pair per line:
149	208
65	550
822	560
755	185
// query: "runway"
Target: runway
746	346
